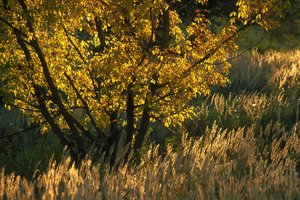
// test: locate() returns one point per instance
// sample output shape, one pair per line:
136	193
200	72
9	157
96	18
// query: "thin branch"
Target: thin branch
86	107
25	109
101	35
236	56
214	50
75	47
22	131
12	26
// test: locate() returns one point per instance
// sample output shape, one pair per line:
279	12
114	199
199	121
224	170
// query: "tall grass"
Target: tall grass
247	147
267	72
223	165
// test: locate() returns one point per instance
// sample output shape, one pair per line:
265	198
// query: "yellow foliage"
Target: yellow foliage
95	50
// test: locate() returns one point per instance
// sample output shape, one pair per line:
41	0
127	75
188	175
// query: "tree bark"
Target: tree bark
130	115
143	126
165	30
114	135
55	128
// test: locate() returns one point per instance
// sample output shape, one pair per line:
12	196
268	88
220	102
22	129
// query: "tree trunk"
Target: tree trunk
143	126
130	115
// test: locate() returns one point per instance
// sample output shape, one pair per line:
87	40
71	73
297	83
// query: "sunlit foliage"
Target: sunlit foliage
80	67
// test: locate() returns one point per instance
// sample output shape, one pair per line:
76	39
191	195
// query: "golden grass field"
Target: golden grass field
247	147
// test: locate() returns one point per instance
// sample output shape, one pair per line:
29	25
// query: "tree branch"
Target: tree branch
70	120
73	44
13	27
101	35
22	131
212	52
86	107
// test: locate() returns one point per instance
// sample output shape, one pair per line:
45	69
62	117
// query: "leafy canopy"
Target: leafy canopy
80	66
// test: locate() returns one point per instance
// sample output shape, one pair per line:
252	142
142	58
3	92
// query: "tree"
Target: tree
83	67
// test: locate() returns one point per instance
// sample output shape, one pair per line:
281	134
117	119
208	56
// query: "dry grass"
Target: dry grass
249	148
267	72
223	165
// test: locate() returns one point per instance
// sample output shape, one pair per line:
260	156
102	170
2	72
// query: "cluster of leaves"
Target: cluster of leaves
284	37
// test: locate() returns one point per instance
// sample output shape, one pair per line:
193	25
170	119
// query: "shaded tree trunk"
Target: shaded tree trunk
144	125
